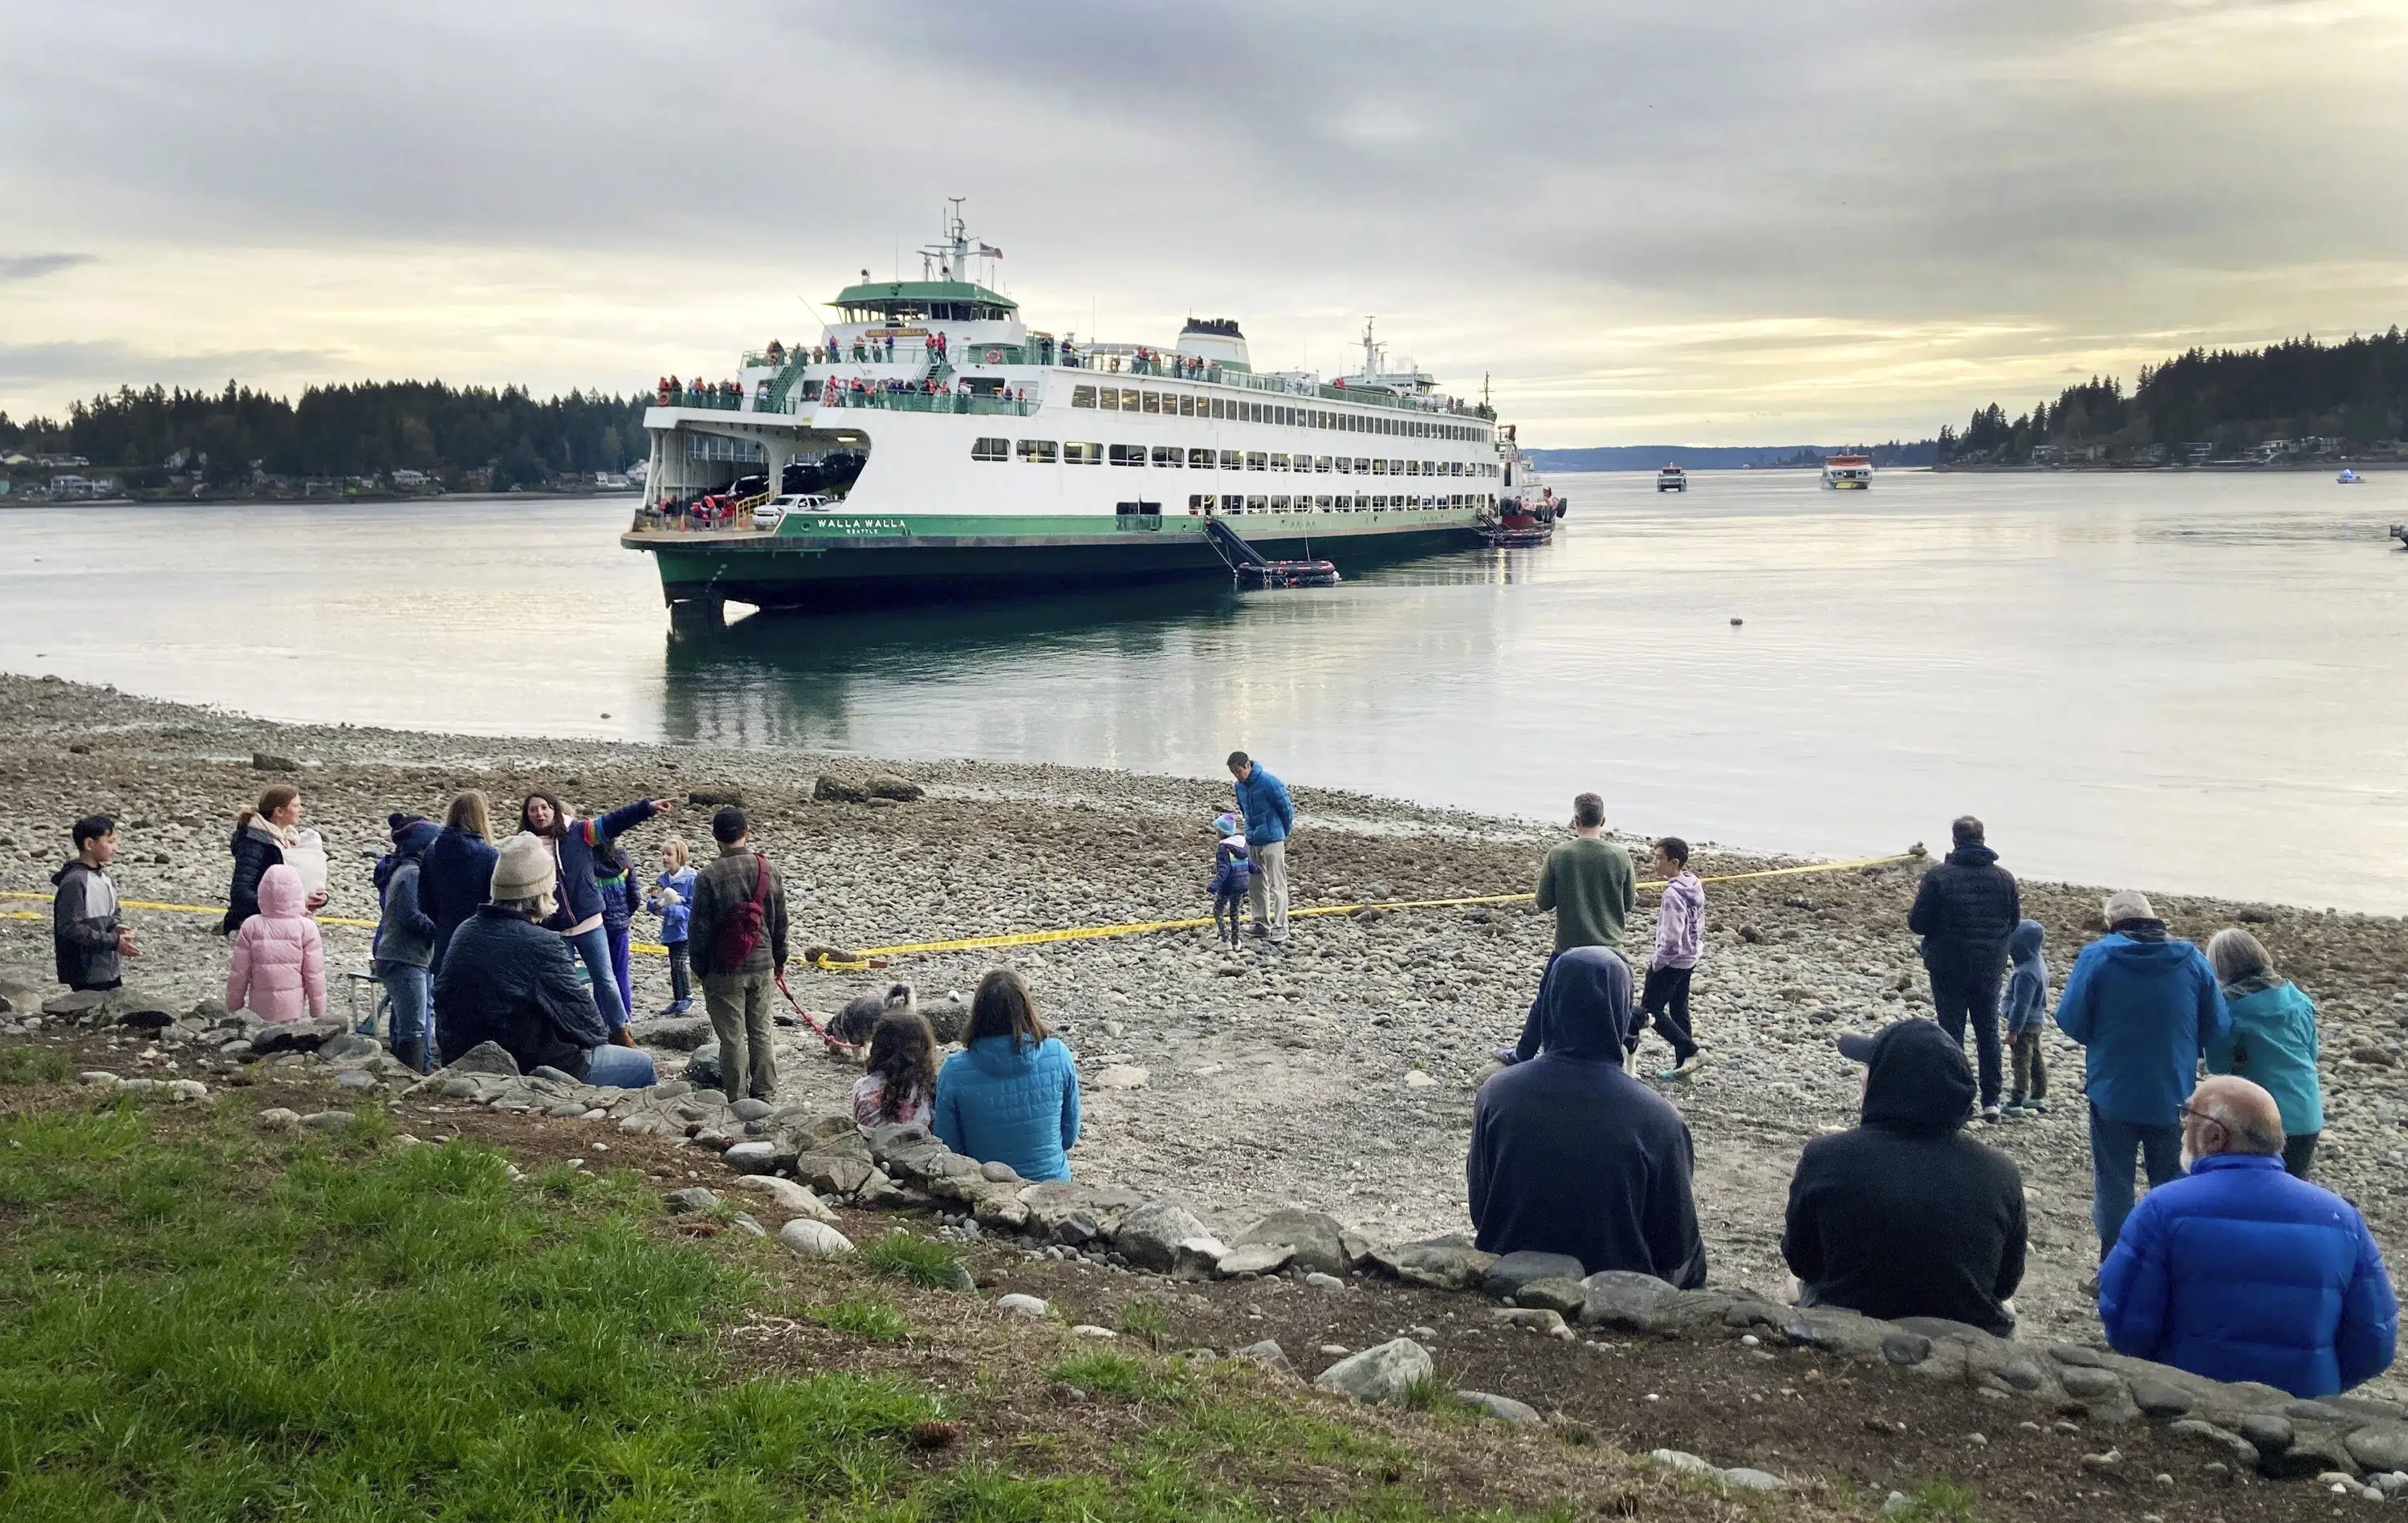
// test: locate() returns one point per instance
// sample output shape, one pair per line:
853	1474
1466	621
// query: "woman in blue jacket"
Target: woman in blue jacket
457	874
580	915
2271	1041
1011	1096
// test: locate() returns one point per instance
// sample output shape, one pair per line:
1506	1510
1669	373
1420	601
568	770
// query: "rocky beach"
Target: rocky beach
1335	1074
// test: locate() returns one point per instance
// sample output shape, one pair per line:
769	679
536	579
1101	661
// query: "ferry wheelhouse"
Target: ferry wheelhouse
930	445
1848	472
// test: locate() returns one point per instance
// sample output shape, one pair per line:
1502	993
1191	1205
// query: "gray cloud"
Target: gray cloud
34	265
109	362
1518	188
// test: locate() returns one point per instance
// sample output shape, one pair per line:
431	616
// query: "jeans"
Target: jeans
739	1018
408	986
1228	915
1666	1003
622	970
594	950
2112	1146
681	974
1958	995
614	1067
1267	891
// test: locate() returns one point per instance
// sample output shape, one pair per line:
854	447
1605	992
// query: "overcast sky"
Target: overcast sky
1748	222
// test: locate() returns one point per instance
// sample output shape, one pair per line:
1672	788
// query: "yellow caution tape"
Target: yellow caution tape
1072	933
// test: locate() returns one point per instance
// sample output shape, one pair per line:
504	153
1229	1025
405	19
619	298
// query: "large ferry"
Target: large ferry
932	445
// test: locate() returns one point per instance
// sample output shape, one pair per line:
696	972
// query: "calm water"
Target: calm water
2179	681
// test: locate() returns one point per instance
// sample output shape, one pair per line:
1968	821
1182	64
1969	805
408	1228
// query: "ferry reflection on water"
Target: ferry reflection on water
1062	674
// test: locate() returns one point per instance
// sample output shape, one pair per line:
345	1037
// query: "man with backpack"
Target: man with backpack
738	940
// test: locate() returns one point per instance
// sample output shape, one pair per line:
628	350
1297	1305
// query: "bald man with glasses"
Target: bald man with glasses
2240	1272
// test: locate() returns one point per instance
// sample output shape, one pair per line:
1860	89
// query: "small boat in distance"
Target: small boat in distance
1848	472
2350	477
1672	479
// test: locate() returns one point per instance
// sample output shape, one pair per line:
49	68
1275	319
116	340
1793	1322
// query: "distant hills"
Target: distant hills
1727	457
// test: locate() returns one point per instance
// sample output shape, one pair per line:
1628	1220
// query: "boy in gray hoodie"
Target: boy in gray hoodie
1680	937
2027	1015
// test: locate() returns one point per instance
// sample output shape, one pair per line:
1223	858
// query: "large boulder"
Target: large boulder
308	1036
678	1033
1381	1375
1508	1275
1445	1263
1150	1236
833	1174
787	1196
1626	1300
813	1239
1318	1241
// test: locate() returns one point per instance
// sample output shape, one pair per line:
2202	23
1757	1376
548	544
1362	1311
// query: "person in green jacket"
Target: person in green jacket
2271	1041
1590	883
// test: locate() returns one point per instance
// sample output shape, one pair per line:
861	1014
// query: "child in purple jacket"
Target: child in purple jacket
1232	870
1679	938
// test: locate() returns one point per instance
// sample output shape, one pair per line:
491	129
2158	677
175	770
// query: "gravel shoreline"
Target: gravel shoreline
1336	1075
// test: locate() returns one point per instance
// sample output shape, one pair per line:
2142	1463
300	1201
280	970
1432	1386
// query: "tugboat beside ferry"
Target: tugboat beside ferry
933	446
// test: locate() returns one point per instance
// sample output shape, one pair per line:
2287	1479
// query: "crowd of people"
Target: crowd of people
2199	1072
2199	1066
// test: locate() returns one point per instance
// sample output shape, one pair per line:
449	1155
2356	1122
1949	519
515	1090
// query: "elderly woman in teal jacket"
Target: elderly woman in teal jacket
2273	1040
1012	1094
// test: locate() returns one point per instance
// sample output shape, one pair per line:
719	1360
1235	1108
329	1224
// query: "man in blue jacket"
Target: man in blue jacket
2146	1005
2242	1271
1262	799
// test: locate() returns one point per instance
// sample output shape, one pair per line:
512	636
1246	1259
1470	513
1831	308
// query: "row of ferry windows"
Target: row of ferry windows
1189	405
1171	457
1205	502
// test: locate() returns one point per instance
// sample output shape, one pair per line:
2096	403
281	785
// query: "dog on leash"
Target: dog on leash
861	1013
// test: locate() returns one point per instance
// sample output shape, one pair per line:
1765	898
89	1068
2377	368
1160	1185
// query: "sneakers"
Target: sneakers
1991	1112
2090	1288
1682	1068
677	1007
2036	1107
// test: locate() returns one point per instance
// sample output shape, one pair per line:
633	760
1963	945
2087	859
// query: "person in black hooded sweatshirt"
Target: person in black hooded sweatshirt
1904	1215
1570	1154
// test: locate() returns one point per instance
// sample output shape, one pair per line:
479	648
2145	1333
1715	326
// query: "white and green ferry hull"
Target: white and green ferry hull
844	560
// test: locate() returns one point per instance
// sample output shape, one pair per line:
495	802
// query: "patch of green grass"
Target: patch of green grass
1148	1322
1938	1501
1434	1396
906	1255
1102	1373
864	1314
227	1328
35	1066
406	1332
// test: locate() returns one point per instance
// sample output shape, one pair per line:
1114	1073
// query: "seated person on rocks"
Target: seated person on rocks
901	1084
1012	1094
2240	1272
506	980
1570	1154
1903	1215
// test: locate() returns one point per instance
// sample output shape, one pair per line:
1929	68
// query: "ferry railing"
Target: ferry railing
957	402
1216	376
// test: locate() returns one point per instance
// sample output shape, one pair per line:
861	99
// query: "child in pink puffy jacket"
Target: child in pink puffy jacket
279	966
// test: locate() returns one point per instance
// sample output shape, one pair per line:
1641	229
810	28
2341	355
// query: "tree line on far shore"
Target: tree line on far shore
2297	398
369	429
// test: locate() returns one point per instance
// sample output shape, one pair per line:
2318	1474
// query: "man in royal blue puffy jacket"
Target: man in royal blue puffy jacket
2240	1272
